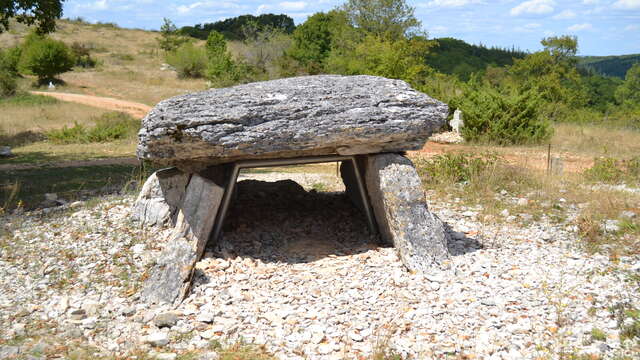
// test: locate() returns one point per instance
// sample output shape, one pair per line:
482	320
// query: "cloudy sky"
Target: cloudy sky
603	27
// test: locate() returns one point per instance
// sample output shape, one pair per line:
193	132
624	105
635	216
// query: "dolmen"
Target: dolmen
204	136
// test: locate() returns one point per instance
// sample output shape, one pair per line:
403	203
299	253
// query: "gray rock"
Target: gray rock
160	197
79	314
5	151
156	339
398	201
167	319
9	351
301	116
171	275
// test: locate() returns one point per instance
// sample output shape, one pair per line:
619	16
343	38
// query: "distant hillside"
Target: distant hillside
456	57
609	65
233	28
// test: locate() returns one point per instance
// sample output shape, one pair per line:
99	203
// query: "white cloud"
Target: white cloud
627	4
97	5
282	7
566	14
632	28
580	27
452	3
537	7
438	29
590	2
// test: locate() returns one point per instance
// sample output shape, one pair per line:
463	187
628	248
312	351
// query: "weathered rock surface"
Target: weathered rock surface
171	276
5	151
160	197
398	202
302	116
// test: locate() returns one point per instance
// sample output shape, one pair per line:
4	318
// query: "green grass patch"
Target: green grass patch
614	171
26	99
27	187
108	127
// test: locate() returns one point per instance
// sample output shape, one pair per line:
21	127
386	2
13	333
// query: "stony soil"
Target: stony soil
298	272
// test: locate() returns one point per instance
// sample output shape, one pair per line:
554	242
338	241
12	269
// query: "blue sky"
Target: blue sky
603	27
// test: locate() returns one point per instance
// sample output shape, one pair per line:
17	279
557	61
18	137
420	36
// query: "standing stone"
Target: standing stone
456	123
171	276
404	221
160	197
5	151
293	117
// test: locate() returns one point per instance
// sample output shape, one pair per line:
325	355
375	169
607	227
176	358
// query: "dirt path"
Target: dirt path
134	109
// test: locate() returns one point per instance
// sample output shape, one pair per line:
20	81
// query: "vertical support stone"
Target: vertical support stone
348	175
170	278
404	220
160	197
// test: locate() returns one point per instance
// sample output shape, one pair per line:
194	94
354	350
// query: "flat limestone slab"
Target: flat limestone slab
293	117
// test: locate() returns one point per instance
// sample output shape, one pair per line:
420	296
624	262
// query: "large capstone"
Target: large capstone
293	117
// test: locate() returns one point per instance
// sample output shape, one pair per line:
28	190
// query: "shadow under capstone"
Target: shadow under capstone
282	222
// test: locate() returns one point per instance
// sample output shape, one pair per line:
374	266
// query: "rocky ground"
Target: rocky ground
297	271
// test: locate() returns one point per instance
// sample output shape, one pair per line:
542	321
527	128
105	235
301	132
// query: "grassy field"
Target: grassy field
129	63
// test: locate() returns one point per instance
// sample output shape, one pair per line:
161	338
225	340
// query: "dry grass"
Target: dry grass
596	140
129	63
15	119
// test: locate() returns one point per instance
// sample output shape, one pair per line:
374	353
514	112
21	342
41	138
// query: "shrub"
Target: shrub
109	127
9	60
7	84
221	69
612	171
189	60
83	56
46	58
455	167
502	119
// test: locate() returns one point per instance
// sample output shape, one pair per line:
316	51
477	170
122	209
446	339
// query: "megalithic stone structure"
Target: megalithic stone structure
364	121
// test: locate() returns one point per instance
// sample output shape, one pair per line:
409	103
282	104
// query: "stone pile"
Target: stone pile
202	135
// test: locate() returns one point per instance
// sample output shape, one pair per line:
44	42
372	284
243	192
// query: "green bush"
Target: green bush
492	117
109	127
8	84
46	58
9	60
189	60
454	167
82	55
613	171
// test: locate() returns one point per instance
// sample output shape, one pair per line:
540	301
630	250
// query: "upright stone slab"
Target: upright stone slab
404	221
160	197
171	275
293	117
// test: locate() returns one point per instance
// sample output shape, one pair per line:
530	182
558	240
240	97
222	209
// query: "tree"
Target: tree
312	41
392	18
221	69
562	48
41	12
46	58
169	39
629	92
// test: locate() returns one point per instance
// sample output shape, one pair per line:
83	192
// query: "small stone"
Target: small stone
523	202
356	336
89	323
5	151
325	349
504	213
19	329
488	302
168	319
76	204
166	356
79	314
611	226
205	318
628	214
51	196
128	311
157	339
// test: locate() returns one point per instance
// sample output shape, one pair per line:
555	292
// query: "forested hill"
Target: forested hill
456	57
609	65
234	28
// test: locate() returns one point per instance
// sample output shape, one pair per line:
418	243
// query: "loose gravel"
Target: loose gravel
298	272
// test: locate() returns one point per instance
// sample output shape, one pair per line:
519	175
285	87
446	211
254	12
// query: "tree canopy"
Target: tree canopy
41	12
393	18
233	28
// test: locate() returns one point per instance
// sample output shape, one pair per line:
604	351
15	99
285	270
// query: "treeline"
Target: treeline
456	57
235	28
609	65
